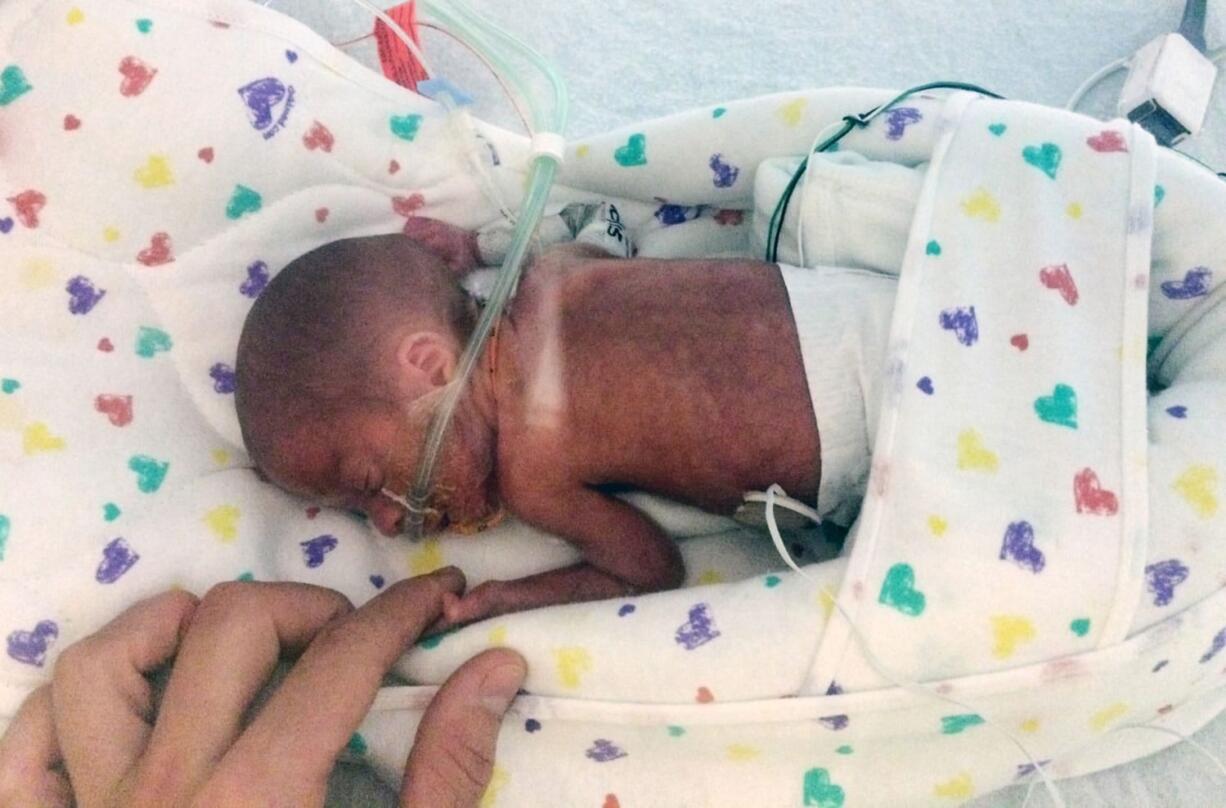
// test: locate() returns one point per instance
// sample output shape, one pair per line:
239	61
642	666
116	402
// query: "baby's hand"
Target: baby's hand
482	601
455	245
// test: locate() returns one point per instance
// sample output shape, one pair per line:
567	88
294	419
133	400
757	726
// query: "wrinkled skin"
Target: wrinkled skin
679	377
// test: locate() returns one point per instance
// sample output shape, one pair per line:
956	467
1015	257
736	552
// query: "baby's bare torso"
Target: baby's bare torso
682	378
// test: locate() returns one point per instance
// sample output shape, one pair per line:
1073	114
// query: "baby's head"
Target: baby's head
337	362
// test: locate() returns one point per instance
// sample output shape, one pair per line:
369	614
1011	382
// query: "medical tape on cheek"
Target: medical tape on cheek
775	495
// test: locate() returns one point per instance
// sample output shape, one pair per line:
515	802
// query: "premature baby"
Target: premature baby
697	380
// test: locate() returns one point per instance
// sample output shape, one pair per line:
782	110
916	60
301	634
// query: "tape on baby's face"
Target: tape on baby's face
432	518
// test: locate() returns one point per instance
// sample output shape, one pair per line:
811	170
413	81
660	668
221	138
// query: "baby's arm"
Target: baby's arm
597	225
624	553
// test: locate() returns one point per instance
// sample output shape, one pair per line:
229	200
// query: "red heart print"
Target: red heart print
1020	341
393	167
406	205
611	801
321	215
1091	497
1059	278
312	512
105	345
158	252
1107	140
117	409
319	137
136	76
28	204
704	696
71	123
729	217
206	154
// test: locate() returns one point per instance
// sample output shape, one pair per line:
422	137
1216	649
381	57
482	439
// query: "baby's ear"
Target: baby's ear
425	360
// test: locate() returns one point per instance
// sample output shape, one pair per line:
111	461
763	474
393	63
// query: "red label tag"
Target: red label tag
397	60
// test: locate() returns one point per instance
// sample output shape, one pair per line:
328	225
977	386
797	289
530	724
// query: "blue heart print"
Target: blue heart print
699	629
117	558
725	173
257	279
1195	283
1162	577
963	323
1018	547
223	378
83	295
899	119
602	751
30	647
314	550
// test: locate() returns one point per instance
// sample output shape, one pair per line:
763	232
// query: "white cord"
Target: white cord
1093	81
1102	73
1217	762
804	184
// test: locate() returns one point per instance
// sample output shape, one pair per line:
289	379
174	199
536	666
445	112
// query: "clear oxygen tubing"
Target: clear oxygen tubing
547	119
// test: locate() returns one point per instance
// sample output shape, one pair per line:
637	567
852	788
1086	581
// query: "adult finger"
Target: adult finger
28	757
102	703
453	756
292	744
237	635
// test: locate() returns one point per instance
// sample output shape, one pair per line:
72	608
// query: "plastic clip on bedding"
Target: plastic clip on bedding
1004	558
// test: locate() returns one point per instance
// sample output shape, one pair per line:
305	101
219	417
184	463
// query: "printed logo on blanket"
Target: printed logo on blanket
268	101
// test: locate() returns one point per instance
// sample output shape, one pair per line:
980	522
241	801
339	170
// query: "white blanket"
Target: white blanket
126	279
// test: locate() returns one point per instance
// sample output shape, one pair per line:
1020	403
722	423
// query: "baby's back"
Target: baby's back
680	377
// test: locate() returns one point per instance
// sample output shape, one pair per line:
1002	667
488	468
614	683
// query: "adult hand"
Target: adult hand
95	720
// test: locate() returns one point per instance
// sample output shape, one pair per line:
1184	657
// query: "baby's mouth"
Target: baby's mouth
437	516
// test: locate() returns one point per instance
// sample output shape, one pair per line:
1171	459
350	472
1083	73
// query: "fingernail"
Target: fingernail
499	687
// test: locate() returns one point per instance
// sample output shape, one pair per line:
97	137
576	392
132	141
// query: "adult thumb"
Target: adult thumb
453	756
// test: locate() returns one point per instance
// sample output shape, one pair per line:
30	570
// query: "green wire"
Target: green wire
775	230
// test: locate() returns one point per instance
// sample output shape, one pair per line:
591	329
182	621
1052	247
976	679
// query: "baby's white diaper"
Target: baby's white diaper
842	319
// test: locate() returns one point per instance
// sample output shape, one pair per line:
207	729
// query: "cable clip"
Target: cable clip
548	144
862	120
